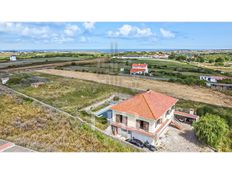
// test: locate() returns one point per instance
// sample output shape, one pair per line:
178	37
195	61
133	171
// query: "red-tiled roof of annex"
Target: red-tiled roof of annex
184	114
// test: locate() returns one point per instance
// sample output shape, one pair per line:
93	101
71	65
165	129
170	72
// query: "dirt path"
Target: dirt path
198	94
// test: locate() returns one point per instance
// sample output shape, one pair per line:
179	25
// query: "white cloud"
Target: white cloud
85	39
71	30
24	30
131	31
166	33
89	25
43	34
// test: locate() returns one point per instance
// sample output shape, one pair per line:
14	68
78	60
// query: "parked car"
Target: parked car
135	142
149	146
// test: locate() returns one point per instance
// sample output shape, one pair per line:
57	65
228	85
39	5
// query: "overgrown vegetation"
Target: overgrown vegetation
67	94
34	127
203	109
211	129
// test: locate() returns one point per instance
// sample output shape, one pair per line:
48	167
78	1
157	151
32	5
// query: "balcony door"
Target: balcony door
140	124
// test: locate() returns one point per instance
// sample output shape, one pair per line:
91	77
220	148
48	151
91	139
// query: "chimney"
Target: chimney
191	111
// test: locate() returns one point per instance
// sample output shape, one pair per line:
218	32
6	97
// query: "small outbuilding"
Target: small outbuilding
13	58
37	84
5	80
186	117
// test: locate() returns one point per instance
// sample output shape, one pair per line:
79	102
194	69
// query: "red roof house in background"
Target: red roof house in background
139	68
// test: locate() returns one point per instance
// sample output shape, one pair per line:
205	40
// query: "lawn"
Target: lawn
28	124
67	94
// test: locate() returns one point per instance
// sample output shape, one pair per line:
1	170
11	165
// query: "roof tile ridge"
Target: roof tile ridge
148	105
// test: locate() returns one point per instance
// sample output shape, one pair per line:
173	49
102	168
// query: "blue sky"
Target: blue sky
127	35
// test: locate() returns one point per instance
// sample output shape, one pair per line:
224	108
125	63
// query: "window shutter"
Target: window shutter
137	124
118	118
124	120
145	126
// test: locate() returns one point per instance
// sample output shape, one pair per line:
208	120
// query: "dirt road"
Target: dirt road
198	94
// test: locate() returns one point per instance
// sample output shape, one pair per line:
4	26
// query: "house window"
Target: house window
159	121
121	119
167	113
140	124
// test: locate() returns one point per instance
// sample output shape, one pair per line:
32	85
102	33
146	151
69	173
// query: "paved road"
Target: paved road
49	65
6	146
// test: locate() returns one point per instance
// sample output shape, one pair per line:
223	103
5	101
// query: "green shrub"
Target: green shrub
211	129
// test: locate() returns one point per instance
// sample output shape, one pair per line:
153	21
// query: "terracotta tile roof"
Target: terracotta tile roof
149	105
184	114
133	70
142	65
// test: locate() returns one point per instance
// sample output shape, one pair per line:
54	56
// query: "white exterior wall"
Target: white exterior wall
131	122
208	78
12	58
5	80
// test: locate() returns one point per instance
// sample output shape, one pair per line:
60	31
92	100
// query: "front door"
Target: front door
114	130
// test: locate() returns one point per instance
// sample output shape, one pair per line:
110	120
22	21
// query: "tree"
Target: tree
221	60
211	61
211	129
181	57
172	56
200	59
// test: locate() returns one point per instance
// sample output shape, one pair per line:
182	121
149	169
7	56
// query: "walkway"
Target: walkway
6	146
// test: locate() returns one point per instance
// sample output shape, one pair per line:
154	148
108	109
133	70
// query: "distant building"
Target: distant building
160	56
213	79
219	86
121	69
13	58
37	84
139	69
5	80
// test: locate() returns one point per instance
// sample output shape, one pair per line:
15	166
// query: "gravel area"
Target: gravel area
176	140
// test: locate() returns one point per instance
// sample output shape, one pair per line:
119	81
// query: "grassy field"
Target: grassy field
67	94
227	68
33	61
29	125
73	94
175	71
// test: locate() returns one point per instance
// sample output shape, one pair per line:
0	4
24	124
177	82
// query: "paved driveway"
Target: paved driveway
176	140
6	146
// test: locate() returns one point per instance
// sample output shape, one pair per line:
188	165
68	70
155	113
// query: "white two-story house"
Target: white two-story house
144	116
141	68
